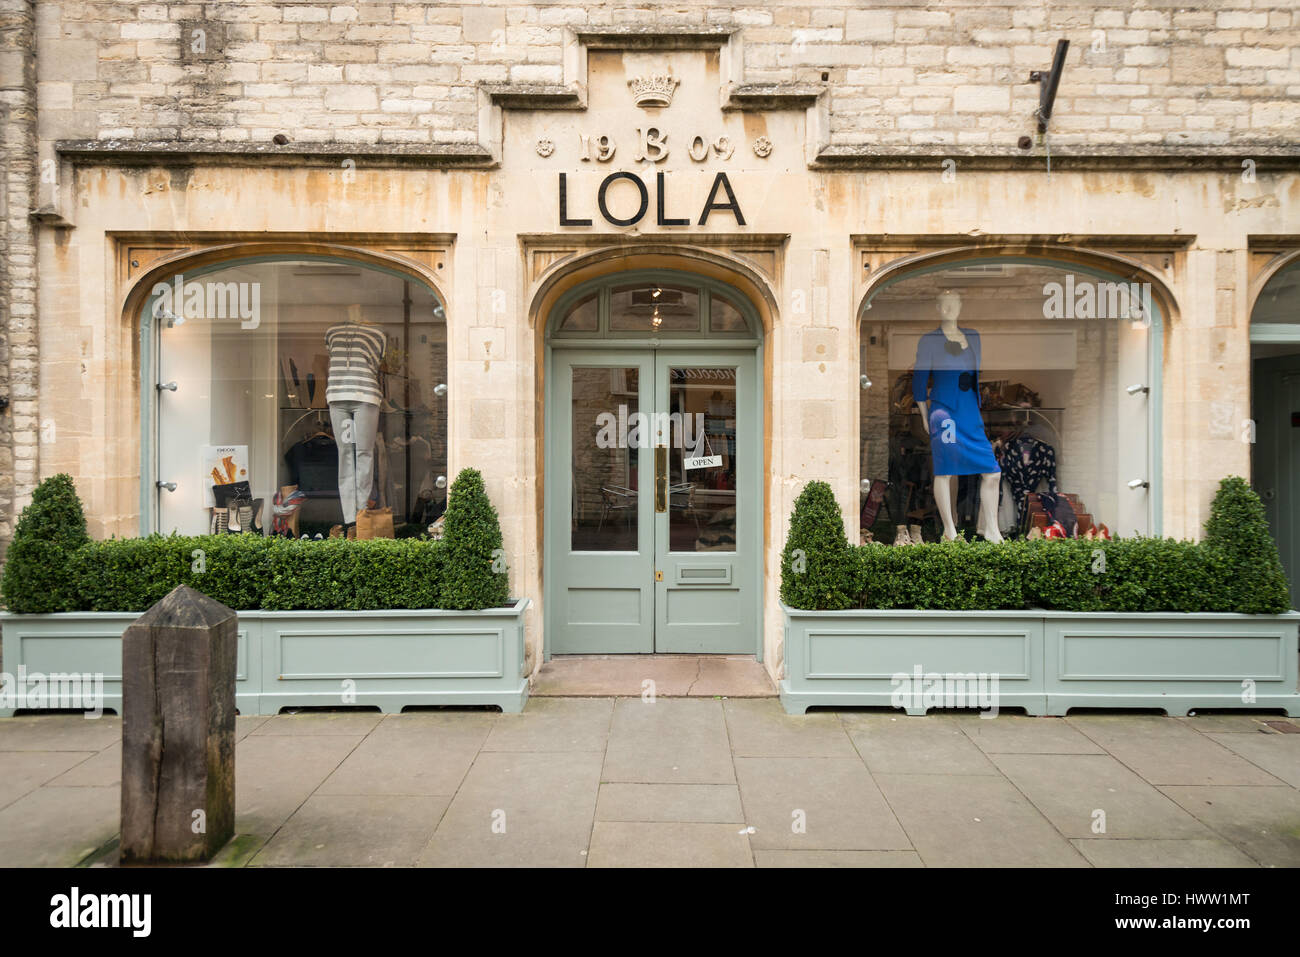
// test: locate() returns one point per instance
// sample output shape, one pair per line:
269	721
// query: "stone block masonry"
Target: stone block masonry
901	74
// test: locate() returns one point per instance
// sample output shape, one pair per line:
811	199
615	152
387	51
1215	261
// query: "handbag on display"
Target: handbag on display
222	494
871	507
375	523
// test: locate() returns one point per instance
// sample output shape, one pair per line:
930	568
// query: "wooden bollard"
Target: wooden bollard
178	730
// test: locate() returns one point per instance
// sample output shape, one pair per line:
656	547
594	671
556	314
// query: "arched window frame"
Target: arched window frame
150	347
944	260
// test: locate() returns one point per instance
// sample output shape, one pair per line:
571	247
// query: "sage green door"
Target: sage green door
653	529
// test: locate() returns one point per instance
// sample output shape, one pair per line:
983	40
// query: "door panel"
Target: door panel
1276	467
603	561
707	542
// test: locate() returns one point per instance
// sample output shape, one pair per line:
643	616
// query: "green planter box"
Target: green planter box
1046	662
391	658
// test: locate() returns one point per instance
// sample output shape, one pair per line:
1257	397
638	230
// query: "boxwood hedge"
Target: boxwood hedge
247	572
1236	567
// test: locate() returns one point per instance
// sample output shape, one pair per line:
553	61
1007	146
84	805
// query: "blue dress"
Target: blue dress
948	376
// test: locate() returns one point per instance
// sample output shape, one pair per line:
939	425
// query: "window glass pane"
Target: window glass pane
581	317
725	317
650	309
279	364
605	457
1279	301
702	460
1024	370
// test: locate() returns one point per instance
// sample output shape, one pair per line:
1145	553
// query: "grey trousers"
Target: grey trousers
355	427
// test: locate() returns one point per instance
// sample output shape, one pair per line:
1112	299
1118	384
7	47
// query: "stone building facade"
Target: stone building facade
805	156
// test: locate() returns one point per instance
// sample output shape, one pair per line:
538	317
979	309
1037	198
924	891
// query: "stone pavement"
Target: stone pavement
693	781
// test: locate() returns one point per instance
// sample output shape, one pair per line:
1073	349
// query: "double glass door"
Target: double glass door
653	530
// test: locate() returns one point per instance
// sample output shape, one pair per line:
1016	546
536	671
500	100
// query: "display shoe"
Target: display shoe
219	521
1055	530
1035	533
914	533
900	536
336	531
864	537
1103	532
956	536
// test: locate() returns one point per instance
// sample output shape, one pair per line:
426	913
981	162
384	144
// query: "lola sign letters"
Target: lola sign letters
720	184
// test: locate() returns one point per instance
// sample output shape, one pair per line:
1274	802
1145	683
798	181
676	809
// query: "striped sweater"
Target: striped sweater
355	351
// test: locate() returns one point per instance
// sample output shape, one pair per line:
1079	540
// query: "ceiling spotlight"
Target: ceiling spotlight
1137	387
1138	483
865	381
656	292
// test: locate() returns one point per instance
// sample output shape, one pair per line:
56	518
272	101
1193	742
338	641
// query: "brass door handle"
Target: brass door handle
661	479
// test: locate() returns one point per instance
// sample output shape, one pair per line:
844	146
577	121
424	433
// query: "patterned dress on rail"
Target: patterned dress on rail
1027	461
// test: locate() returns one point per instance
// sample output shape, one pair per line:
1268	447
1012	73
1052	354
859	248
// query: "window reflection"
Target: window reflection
702	462
605	457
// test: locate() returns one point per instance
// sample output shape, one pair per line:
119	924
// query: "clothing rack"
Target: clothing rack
308	413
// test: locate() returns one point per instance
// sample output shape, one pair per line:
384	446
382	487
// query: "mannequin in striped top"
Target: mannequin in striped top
354	395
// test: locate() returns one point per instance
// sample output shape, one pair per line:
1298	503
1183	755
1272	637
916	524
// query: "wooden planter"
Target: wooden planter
286	659
1047	662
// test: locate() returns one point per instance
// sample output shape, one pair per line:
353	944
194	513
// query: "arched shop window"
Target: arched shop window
1272	425
266	367
1039	371
1278	303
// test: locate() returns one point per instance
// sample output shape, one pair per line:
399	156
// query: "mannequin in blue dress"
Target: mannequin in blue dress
945	384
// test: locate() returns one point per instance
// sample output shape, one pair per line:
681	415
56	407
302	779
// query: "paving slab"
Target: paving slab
1018	734
1069	789
669	741
1264	822
554	724
759	727
673	803
777	858
354	831
616	676
394	764
320	722
974	820
102	769
58	827
276	773
674	676
732	678
1161	853
59	732
519	809
1278	754
1227	723
629	844
451	729
246	724
837	803
911	744
22	772
1165	751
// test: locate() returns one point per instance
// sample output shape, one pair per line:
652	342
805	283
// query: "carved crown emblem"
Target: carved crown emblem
655	90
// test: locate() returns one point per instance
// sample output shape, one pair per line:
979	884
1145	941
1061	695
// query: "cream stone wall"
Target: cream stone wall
900	73
90	376
404	76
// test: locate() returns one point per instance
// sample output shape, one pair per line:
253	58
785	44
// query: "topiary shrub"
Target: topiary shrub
1246	572
474	573
37	578
819	572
